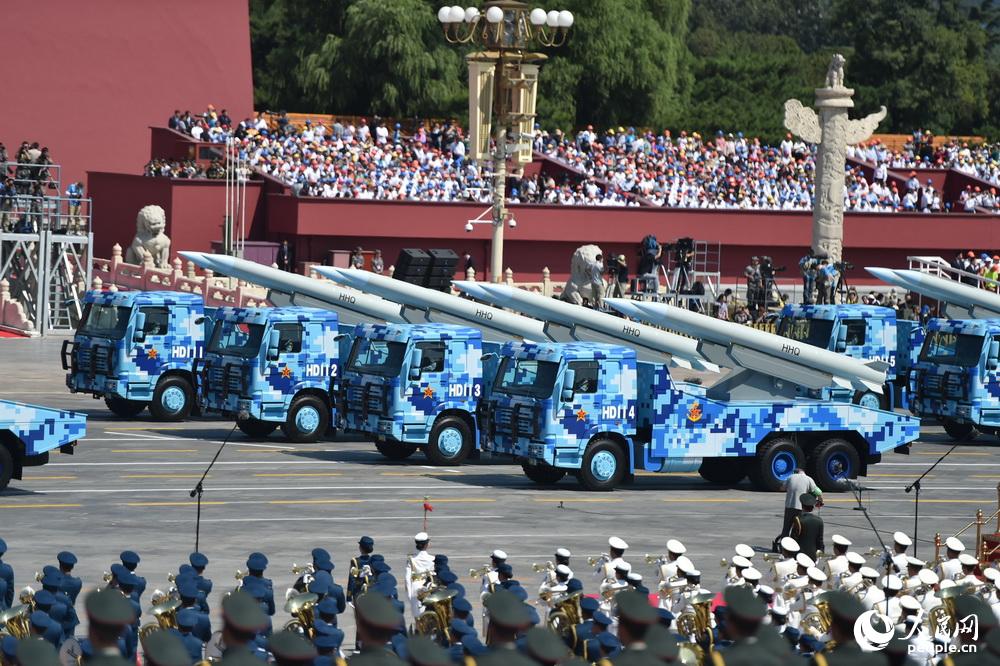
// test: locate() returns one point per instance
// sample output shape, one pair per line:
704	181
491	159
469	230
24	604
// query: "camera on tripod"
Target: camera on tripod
683	250
768	269
843	266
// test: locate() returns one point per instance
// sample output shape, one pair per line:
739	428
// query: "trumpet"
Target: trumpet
106	577
771	557
723	563
303	569
654	559
480	572
38	577
240	574
539	568
171	578
593	561
872	552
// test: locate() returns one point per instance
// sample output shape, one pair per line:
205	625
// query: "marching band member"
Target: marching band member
930	583
420	563
787	565
603	568
912	579
837	563
900	544
968	574
872	595
854	563
734	574
947	569
892	585
491	578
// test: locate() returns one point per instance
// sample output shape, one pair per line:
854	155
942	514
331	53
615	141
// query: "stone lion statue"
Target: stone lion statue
149	237
586	279
835	72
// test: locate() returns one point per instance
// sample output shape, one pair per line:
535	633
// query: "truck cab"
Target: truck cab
865	332
267	367
956	377
410	386
28	433
559	407
135	349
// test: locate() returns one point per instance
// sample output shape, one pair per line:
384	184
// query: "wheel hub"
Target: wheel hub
173	398
450	441
782	465
603	465
307	419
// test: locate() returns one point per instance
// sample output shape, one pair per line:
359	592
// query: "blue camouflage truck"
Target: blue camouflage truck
28	433
593	410
956	379
273	366
410	386
865	332
135	349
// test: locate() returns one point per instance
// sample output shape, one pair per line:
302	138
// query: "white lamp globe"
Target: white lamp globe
565	19
494	14
444	14
552	19
471	14
457	14
537	16
468	226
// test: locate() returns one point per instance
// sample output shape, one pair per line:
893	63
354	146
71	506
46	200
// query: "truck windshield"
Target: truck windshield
815	332
945	348
234	338
104	321
377	357
525	376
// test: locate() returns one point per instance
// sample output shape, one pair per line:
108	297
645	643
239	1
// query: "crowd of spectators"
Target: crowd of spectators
184	169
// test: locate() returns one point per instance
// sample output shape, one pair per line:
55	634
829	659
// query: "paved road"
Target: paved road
128	487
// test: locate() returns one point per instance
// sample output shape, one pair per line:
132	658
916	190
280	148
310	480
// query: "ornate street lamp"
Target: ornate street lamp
503	84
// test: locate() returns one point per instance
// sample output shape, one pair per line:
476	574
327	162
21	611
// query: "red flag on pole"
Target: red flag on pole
427	509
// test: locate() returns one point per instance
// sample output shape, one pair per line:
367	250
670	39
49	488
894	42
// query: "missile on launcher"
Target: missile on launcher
962	301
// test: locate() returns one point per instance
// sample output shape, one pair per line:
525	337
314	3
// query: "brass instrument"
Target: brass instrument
592	561
669	585
160	597
304	569
539	568
39	576
165	615
565	614
944	618
859	587
480	572
818	622
302	609
240	575
655	559
436	620
17	621
771	557
106	577
696	625
171	578
27	598
429	584
723	563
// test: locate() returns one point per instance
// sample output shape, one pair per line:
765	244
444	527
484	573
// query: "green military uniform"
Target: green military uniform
845	611
761	648
163	648
425	652
807	528
987	652
377	613
110	608
291	649
37	652
634	610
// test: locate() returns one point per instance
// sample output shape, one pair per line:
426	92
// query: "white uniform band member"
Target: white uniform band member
419	563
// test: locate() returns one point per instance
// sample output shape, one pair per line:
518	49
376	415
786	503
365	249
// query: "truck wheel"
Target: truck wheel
833	461
871	399
450	442
172	399
307	420
774	463
256	428
395	450
543	474
127	409
960	431
6	466
604	466
724	471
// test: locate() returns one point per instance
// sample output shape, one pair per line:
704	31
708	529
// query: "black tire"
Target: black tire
543	474
126	409
872	397
828	455
307	421
960	431
607	455
724	471
450	442
6	466
395	450
256	428
168	389
766	472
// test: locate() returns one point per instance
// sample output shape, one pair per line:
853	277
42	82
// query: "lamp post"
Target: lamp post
504	32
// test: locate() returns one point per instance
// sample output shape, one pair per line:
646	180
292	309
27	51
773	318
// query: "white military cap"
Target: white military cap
633	576
841	540
804	560
751	575
909	603
902	539
420	537
928	577
855	558
744	550
564	570
796	583
692	573
741	562
892	582
617	544
852	580
676	547
766	590
914	562
816	575
498	555
684	564
954	544
562	552
967	560
868	572
620	565
779	610
945	584
789	544
991	574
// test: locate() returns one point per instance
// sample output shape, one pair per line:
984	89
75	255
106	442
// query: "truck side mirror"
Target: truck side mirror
841	344
199	321
140	327
273	338
993	359
489	356
569	379
416	359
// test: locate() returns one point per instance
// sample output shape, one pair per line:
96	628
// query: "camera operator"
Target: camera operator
683	251
755	284
595	273
826	282
647	275
618	272
809	266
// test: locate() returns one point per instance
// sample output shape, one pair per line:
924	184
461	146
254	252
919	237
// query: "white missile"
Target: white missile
566	322
351	306
440	307
964	300
735	345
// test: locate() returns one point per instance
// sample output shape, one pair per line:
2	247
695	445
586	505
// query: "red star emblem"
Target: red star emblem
286	372
581	415
152	353
428	392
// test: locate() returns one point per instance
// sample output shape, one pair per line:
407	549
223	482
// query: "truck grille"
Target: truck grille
227	379
368	399
948	385
94	360
519	421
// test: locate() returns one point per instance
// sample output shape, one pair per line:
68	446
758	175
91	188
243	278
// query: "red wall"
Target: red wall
87	79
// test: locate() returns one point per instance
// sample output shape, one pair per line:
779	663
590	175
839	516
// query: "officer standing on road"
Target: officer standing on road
130	560
797	485
807	527
256	564
71	585
420	562
198	562
7	576
360	569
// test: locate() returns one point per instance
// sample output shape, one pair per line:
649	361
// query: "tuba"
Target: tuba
16	621
301	608
696	625
944	618
566	614
655	559
817	623
436	620
165	615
